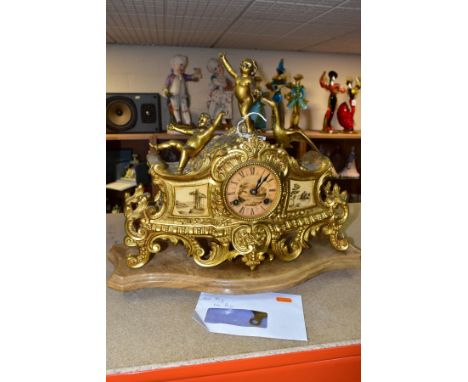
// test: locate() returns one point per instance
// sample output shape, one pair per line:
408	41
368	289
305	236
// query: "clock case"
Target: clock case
190	208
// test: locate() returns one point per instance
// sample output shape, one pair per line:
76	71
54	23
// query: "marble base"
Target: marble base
172	268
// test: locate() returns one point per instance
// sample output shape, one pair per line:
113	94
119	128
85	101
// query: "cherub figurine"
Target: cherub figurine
334	89
276	85
243	82
221	89
176	89
346	111
296	99
199	138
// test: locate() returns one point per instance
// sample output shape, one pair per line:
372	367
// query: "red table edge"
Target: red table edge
239	365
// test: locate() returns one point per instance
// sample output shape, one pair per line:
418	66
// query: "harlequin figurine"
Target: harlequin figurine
176	89
334	89
277	83
296	99
199	137
221	90
346	110
243	83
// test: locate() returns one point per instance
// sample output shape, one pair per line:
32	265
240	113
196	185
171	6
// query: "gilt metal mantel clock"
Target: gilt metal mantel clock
236	196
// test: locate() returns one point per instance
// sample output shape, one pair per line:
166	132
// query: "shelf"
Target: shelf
334	178
129	137
314	134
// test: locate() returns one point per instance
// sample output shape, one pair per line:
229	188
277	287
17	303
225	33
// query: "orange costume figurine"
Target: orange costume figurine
334	89
242	87
346	111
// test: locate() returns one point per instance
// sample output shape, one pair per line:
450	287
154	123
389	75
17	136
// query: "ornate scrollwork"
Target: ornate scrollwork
151	246
134	210
276	157
217	204
218	254
247	238
254	258
336	201
224	164
253	146
290	251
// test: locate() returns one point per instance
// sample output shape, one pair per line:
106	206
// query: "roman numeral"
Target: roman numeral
242	210
272	189
252	170
241	173
252	212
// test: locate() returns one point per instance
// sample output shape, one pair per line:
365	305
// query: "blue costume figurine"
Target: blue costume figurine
277	83
257	106
297	101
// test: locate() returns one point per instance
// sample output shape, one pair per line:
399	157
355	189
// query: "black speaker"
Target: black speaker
133	113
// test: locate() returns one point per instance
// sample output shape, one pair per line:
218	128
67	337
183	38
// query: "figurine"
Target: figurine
285	136
334	89
176	89
221	89
116	209
350	170
296	100
258	107
346	111
243	82
130	173
277	83
199	138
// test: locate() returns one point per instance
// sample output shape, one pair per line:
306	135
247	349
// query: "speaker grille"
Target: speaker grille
148	113
121	113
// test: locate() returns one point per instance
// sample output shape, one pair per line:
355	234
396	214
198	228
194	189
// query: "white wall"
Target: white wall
144	69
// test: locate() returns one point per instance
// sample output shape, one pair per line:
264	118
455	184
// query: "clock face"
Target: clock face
252	191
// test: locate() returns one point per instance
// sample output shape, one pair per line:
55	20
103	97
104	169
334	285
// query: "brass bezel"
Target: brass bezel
274	205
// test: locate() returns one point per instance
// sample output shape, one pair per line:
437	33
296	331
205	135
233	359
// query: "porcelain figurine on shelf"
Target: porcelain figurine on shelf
258	106
297	101
346	110
221	91
350	170
278	82
176	89
199	137
243	83
334	88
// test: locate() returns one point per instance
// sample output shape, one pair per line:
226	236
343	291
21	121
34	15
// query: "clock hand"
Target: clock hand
253	191
263	181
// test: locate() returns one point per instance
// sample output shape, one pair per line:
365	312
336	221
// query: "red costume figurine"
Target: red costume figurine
346	111
334	89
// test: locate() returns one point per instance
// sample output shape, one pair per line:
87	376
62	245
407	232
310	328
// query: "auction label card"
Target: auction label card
271	315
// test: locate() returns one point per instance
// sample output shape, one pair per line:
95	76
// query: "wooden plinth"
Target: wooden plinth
172	268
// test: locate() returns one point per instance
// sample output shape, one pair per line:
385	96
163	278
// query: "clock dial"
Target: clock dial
252	191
